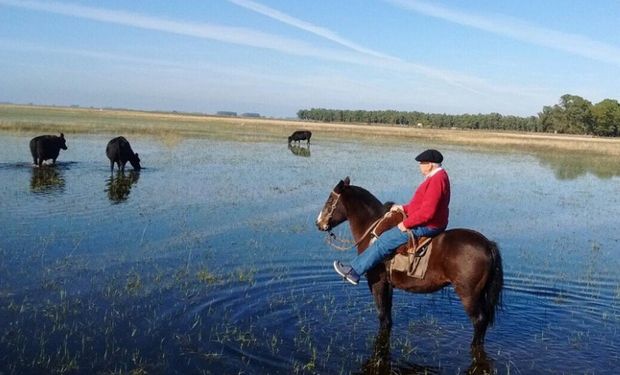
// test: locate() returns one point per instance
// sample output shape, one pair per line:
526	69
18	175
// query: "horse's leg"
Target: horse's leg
381	291
473	307
379	360
481	295
480	362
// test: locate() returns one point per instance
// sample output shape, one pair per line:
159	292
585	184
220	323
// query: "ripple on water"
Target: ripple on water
596	295
282	306
245	210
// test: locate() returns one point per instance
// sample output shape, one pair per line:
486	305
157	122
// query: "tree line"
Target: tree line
572	115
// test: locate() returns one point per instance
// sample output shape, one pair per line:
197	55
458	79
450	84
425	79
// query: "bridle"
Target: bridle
331	237
334	204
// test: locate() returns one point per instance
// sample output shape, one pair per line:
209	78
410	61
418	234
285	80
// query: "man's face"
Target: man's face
425	167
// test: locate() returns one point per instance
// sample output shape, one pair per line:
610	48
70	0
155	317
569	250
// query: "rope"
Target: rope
332	237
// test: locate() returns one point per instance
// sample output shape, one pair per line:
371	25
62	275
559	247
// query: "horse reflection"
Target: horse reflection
46	179
118	187
380	361
481	364
300	150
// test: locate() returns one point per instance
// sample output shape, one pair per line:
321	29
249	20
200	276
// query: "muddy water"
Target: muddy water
208	261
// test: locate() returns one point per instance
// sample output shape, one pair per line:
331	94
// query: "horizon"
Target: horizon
275	58
226	113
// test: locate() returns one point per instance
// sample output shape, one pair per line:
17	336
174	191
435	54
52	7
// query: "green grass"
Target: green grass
171	128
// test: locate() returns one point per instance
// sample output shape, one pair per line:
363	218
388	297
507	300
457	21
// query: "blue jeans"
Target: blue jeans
385	245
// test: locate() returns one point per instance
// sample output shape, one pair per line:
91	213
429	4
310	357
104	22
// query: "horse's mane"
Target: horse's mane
367	199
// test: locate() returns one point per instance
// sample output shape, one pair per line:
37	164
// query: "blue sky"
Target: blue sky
276	57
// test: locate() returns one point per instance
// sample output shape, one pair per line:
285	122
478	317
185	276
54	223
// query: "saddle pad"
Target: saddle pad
412	265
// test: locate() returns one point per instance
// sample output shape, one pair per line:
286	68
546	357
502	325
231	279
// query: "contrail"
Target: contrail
519	30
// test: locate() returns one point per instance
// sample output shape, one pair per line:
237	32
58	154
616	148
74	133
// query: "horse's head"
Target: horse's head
333	212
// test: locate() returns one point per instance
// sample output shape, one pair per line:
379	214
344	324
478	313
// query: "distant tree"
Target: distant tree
606	118
302	114
578	114
550	118
227	113
573	115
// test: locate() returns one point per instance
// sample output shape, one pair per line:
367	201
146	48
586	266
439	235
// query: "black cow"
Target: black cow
119	151
300	135
45	147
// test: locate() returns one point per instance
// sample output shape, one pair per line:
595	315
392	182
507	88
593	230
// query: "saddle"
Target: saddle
410	258
414	245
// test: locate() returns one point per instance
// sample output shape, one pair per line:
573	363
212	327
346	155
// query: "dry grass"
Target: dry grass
171	128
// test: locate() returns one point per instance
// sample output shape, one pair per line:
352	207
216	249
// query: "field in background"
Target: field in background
172	127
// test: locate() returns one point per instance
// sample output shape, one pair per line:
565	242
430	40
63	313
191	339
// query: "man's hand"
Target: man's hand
396	207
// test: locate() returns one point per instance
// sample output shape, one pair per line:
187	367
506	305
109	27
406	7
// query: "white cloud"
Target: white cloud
314	29
466	82
519	30
254	38
400	71
235	35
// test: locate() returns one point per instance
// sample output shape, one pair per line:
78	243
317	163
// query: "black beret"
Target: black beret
431	155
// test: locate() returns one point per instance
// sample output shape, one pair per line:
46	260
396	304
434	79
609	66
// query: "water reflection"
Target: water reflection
380	363
568	166
47	179
300	150
481	364
119	186
562	292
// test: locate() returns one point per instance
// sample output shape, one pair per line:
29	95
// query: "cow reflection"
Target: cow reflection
119	186
300	150
46	179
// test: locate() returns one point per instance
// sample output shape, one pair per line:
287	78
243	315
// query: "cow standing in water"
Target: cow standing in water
45	147
119	151
300	135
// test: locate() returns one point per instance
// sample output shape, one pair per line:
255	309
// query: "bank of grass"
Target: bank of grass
171	128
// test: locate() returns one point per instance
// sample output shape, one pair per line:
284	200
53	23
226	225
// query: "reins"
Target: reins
332	237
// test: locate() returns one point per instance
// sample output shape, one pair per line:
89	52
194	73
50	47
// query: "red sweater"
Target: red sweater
429	204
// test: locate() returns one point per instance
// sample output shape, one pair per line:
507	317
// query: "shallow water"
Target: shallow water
208	261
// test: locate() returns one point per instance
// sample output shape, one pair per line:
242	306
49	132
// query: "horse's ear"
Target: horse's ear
339	187
62	135
347	181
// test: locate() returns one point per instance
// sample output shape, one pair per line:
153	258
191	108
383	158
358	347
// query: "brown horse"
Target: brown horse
461	257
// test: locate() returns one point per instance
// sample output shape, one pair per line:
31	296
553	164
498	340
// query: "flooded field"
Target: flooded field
208	260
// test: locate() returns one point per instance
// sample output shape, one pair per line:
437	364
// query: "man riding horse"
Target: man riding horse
426	215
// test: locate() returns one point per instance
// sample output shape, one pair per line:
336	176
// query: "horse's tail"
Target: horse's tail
492	295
